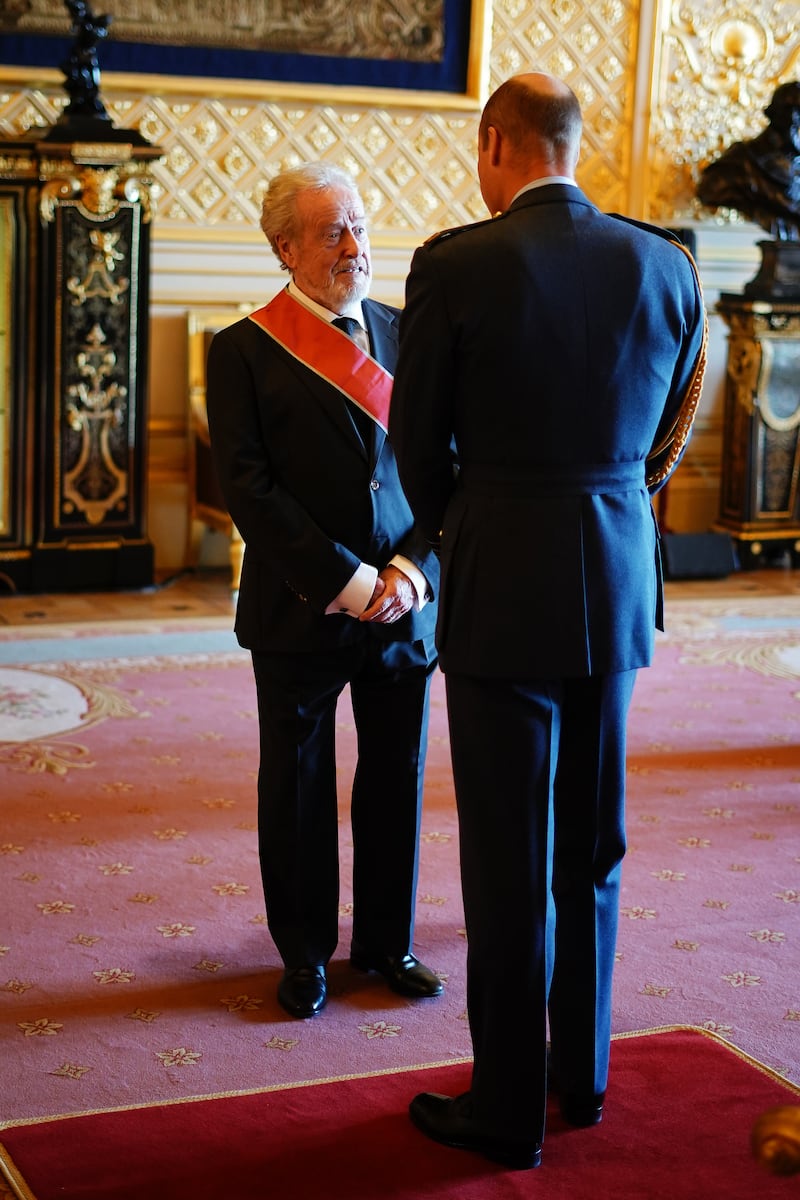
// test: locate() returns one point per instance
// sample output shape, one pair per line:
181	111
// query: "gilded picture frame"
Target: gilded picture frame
206	505
460	81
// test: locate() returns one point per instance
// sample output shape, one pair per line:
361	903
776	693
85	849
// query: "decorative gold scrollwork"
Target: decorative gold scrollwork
54	192
95	405
16	165
98	281
144	191
97	190
744	365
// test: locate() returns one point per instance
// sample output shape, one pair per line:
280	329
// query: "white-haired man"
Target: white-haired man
337	588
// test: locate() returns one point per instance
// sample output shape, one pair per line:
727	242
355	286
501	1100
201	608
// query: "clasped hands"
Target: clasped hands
393	596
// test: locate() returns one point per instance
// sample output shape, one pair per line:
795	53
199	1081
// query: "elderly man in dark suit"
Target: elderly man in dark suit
337	588
550	360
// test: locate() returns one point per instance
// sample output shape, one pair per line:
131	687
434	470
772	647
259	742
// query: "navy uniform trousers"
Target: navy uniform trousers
517	810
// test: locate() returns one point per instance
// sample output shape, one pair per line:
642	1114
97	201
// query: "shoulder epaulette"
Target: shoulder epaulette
667	234
443	234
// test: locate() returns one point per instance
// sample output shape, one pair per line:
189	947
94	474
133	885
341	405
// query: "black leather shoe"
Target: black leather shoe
449	1121
580	1111
303	990
405	975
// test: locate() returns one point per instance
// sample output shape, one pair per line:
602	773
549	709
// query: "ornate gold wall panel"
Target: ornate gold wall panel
415	165
717	63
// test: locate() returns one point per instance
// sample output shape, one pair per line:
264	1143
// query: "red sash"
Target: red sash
329	353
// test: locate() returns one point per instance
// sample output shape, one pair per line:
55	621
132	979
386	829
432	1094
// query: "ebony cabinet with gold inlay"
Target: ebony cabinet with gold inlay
760	496
74	309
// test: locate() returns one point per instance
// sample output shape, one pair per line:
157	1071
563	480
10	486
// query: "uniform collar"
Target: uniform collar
537	183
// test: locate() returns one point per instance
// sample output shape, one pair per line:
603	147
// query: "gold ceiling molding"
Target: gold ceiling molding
717	64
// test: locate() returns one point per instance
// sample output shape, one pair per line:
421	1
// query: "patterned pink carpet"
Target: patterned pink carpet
135	963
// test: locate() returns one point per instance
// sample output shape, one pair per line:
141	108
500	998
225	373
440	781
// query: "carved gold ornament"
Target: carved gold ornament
98	281
95	405
775	1140
98	189
717	63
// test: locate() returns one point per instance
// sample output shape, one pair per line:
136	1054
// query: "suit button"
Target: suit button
374	484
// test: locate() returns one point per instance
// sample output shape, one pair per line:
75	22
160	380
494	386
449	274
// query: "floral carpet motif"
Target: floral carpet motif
135	962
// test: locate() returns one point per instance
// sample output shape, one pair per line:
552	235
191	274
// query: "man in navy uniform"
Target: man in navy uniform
550	363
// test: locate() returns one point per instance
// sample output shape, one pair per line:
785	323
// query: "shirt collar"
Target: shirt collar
353	310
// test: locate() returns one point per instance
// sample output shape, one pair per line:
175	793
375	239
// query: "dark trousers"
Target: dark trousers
539	772
297	793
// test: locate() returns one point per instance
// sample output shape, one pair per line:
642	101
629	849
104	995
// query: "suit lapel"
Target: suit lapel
329	399
382	330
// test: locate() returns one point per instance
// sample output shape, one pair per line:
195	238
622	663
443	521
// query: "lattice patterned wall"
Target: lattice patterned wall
715	65
593	47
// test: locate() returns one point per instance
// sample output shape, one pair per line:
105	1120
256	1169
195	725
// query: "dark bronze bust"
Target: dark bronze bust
760	178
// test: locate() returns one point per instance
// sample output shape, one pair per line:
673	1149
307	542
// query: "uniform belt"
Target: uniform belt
532	481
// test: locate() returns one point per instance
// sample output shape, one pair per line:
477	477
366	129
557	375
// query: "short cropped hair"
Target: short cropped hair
530	119
278	208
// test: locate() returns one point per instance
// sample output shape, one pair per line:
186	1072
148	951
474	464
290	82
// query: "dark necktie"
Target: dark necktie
354	330
358	334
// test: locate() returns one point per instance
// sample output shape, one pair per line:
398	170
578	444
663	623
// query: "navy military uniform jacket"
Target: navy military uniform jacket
525	408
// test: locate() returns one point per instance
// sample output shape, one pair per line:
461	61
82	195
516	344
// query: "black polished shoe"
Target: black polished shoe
580	1111
450	1122
303	990
405	975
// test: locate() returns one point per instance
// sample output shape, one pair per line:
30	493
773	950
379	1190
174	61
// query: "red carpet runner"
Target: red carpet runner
680	1108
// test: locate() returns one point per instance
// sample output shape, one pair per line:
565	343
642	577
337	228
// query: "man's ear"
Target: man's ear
494	140
284	247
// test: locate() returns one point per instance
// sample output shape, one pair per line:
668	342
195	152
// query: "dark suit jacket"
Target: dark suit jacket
309	500
555	344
